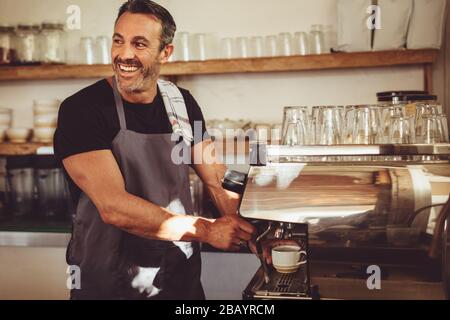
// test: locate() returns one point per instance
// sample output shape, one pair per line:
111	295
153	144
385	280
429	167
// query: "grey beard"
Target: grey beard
147	77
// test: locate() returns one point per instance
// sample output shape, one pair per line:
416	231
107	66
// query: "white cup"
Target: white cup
287	258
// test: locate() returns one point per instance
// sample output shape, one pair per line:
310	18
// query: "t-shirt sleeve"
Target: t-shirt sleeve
80	129
196	119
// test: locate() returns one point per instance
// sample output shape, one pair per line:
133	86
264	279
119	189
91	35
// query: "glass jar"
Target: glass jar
20	186
6	47
51	186
52	38
26	45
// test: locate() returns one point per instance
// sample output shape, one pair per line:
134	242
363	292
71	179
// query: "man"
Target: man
133	234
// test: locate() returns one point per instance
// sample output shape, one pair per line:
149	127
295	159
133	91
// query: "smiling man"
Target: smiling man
134	236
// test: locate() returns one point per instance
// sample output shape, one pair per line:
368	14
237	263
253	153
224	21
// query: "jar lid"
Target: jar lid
406	98
6	28
25	27
396	93
46	162
19	162
52	26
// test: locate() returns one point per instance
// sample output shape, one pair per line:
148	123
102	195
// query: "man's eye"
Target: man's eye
140	45
117	41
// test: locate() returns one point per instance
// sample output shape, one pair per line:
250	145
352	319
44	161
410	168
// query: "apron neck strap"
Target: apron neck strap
119	105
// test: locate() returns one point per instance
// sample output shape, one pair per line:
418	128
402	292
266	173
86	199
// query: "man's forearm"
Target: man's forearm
227	202
145	219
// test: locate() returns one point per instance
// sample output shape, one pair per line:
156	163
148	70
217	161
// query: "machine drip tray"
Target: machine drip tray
283	286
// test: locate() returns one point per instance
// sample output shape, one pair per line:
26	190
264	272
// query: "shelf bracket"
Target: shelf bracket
428	77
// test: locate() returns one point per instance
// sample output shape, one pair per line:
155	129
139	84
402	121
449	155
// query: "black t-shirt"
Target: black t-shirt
88	121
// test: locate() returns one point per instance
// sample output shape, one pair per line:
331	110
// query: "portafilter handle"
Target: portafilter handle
259	249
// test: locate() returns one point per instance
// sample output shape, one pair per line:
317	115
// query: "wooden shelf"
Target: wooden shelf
253	65
21	149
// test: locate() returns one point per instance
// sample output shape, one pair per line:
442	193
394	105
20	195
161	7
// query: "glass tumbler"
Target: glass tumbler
301	44
366	125
256	47
87	50
243	48
103	48
227	48
182	46
271	46
285	44
317	39
295	126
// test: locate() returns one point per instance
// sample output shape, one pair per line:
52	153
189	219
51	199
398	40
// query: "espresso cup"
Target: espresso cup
287	258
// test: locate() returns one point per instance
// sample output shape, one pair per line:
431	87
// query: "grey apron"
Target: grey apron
117	265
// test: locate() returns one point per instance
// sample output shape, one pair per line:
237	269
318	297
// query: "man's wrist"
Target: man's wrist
202	231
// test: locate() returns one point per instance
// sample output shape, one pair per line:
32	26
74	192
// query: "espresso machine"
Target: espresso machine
353	209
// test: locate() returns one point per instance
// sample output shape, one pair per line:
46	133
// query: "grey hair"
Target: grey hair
162	14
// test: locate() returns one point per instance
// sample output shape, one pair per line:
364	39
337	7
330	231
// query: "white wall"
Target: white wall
257	97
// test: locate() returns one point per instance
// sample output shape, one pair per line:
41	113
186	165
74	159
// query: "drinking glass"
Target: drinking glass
429	130
386	114
400	130
87	50
444	128
424	110
271	46
103	50
182	46
242	45
227	48
347	135
317	39
295	126
296	134
199	47
285	44
301	44
256	47
330	126
366	124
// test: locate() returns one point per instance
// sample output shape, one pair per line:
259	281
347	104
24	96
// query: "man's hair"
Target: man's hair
149	7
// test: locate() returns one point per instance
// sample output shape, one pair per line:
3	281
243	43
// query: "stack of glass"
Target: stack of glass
365	125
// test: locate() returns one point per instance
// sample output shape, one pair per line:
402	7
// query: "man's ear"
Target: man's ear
166	53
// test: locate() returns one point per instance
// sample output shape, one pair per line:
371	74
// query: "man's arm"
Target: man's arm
211	172
97	174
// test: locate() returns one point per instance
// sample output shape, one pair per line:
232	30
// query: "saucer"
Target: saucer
285	269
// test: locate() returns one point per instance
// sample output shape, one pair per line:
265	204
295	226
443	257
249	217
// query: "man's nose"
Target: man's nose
126	52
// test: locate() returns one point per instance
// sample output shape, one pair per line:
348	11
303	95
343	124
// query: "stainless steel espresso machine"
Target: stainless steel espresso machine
374	220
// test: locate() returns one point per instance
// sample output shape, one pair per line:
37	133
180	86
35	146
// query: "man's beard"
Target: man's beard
143	80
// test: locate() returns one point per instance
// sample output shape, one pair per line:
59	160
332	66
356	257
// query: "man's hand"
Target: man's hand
229	232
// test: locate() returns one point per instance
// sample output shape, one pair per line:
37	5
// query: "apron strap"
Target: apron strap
119	105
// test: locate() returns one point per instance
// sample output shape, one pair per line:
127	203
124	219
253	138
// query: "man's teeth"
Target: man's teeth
127	68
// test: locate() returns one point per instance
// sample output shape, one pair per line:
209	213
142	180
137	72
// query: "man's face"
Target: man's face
136	51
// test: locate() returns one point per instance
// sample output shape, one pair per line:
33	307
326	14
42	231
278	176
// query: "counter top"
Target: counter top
34	239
